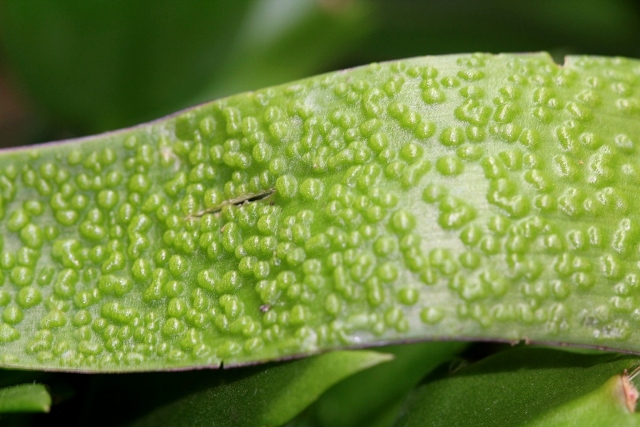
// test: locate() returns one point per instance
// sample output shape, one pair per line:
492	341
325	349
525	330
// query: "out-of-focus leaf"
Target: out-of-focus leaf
524	385
99	66
408	28
283	40
373	397
270	397
102	65
25	398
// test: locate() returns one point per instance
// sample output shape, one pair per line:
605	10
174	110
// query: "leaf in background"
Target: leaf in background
525	386
99	66
104	65
457	197
270	397
373	397
283	40
14	377
612	404
24	398
406	28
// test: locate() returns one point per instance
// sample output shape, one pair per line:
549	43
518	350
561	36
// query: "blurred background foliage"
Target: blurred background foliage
76	67
70	68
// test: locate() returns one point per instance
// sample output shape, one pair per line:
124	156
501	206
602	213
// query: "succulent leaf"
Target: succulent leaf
457	197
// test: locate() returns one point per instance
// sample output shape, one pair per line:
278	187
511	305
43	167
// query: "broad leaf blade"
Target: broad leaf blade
607	405
376	394
24	398
457	197
269	397
522	386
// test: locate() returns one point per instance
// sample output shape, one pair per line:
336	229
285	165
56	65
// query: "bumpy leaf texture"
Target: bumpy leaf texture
456	197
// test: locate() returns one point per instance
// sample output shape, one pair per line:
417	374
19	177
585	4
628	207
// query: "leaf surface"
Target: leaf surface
24	398
532	387
458	197
271	396
371	396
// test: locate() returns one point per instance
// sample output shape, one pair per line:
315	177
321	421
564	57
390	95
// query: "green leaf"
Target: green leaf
270	397
375	395
24	398
608	405
101	66
98	66
458	197
282	40
528	386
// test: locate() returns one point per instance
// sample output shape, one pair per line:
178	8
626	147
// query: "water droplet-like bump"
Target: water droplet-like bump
433	96
403	221
453	136
29	297
431	315
8	333
287	186
12	314
449	166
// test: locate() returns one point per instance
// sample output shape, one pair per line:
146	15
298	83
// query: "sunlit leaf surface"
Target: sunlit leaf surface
458	197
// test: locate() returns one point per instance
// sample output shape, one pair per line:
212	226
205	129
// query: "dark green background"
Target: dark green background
76	67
